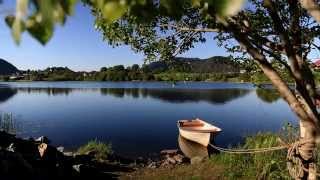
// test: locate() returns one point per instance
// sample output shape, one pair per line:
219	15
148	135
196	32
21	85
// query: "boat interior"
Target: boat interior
191	123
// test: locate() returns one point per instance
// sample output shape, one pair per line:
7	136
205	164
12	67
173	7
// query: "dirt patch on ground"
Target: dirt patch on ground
204	170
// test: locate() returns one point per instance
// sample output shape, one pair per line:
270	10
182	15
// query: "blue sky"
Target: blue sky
78	46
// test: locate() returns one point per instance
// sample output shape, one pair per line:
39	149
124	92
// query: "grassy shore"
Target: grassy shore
100	150
268	165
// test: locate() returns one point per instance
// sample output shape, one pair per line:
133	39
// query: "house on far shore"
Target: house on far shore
315	65
242	71
16	76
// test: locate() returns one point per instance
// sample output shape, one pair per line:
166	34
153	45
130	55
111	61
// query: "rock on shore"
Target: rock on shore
37	159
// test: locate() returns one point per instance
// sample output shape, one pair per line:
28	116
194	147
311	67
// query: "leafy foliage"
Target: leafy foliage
181	69
145	25
39	18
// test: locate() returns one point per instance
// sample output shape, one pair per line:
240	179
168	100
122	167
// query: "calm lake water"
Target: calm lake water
139	118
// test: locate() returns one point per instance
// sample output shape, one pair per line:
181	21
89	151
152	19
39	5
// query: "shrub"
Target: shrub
99	149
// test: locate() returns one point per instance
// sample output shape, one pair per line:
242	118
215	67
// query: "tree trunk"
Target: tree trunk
312	7
302	130
304	152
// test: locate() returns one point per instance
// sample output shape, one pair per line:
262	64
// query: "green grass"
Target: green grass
99	149
267	165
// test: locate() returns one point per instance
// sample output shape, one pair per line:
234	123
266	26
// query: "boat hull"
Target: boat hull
192	149
202	138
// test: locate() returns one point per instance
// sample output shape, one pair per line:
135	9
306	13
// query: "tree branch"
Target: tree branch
312	7
306	116
189	28
316	46
271	7
183	41
295	28
304	83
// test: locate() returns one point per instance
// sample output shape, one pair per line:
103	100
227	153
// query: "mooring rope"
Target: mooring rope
294	145
248	151
294	161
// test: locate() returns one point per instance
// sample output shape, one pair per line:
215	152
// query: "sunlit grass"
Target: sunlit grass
100	150
266	165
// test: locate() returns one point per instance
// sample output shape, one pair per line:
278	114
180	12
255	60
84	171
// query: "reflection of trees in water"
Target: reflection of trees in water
121	92
13	124
113	92
55	91
268	95
49	91
6	93
217	96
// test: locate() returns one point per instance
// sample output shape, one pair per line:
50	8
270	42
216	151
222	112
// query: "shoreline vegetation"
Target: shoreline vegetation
36	158
214	69
255	78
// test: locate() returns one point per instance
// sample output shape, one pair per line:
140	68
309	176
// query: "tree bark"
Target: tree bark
312	7
308	119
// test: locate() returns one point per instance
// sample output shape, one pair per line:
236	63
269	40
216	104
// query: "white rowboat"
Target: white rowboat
197	130
192	149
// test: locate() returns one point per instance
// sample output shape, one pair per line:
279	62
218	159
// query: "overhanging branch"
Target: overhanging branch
179	28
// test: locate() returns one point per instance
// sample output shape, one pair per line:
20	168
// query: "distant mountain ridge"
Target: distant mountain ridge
215	64
7	68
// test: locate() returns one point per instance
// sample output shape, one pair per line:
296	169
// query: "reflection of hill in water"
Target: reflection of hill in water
268	95
216	96
49	91
53	91
120	92
6	93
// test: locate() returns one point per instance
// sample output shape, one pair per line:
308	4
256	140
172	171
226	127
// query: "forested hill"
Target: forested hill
6	68
215	64
216	68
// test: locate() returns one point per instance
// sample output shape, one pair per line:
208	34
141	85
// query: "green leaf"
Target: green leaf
113	10
142	2
99	3
9	20
16	23
16	30
46	10
228	7
68	6
39	31
59	14
171	8
21	8
195	3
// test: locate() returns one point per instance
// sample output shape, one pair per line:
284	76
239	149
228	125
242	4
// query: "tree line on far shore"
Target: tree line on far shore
216	68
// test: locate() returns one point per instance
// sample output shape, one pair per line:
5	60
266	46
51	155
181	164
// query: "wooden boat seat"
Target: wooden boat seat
191	124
